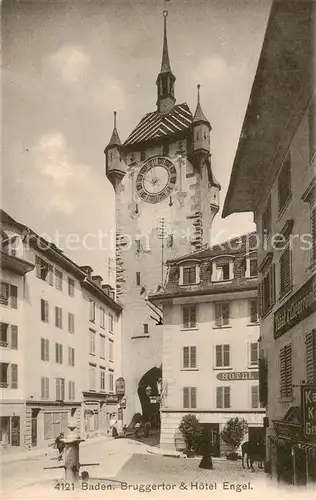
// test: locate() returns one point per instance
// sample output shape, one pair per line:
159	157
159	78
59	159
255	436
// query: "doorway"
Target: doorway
213	430
34	427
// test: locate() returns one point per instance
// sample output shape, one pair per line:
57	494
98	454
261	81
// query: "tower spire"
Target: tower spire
165	80
199	116
115	138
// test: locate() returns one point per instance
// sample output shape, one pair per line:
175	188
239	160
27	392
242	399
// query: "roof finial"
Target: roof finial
114	112
165	63
198	93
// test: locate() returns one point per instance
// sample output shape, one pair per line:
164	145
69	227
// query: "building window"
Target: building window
111	323
267	290
9	295
146	328
111	381
255	396
71	323
91	341
71	390
267	219
221	314
251	267
60	389
4	375
58	353
189	316
313	233
254	351
102	317
222	355
71	287
253	306
42	268
92	371
58	279
310	342
189	357
91	310
286	371
222	271
285	271
44	349
189	275
44	310
71	356
102	379
223	397
284	184
58	317
111	350
8	336
189	397
102	346
44	388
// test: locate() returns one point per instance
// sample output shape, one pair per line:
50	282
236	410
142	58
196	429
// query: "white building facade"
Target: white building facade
210	343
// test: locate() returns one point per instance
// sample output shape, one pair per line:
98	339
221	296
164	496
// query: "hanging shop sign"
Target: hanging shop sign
238	375
298	307
120	386
123	403
111	398
308	407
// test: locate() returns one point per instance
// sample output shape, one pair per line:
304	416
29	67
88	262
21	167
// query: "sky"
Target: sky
67	65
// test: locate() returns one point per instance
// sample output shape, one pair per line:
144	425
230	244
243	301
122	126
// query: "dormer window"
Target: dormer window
222	269
189	273
251	266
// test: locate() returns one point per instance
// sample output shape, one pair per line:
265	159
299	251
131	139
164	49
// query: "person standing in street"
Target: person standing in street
60	445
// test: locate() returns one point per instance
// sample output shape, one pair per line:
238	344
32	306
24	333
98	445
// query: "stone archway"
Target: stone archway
150	411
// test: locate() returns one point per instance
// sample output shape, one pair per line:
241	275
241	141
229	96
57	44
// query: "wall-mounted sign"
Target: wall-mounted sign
238	375
111	398
298	307
308	406
123	403
120	386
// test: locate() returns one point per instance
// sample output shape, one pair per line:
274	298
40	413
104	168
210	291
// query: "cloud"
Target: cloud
61	179
70	64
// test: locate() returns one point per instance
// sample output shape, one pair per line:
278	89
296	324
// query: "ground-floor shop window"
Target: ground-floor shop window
54	424
91	420
10	431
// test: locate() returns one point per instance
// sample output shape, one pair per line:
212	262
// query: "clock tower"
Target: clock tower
166	198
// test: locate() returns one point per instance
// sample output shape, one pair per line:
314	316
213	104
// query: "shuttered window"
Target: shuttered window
189	316
44	310
71	356
285	271
60	389
223	397
189	397
267	290
71	390
14	337
58	317
255	396
313	231
310	342
71	323
44	349
14	296
253	310
189	357
14	376
221	314
58	353
254	353
284	183
44	389
222	355
189	275
286	371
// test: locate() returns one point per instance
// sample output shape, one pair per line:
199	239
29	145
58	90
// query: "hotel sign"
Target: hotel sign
308	405
238	376
298	307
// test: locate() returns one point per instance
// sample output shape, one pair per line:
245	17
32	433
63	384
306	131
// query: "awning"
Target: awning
280	441
285	443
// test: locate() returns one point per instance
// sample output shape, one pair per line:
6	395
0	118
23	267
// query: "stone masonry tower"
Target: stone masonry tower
166	199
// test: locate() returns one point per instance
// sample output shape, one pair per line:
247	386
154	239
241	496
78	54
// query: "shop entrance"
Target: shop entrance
213	430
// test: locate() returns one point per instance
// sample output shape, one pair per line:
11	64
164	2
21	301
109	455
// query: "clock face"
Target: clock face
156	179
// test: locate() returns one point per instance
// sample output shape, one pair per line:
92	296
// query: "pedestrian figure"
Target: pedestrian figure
124	429
206	449
60	445
113	423
147	428
137	429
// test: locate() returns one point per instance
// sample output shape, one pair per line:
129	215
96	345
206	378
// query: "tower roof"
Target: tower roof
115	139
199	116
165	61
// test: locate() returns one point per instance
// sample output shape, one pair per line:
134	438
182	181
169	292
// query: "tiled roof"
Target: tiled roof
155	125
199	116
115	139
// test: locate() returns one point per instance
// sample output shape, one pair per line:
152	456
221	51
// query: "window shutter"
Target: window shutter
43	350
285	270
14	296
226	397
51	274
219	399
272	299
254	397
186	397
42	388
288	358
186	357
47	350
193	357
14	337
185	311
311	357
218	314
225	312
14	376
282	373
219	357
193	397
263	381
226	355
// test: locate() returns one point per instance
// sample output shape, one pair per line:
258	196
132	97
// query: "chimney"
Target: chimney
88	270
97	280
